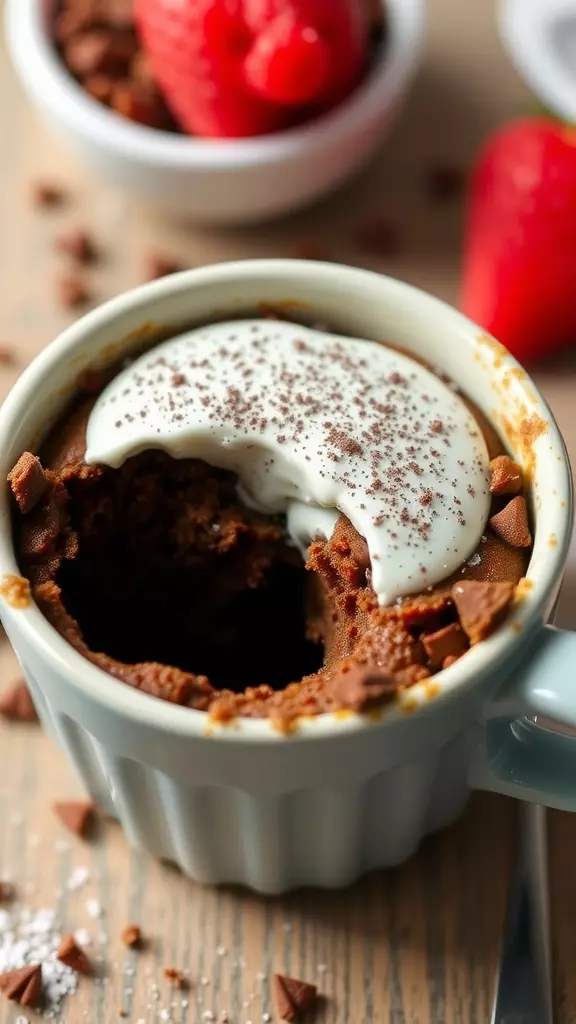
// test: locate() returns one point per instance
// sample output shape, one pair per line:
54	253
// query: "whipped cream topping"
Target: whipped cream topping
313	424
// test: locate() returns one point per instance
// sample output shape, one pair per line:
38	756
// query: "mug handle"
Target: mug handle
526	744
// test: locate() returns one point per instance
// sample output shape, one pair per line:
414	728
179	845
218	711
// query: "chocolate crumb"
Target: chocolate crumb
77	816
77	244
449	642
132	936
28	482
72	291
177	977
7	892
47	194
72	955
293	997
16	704
505	476
99	52
511	524
360	687
481	606
137	101
23	985
7	356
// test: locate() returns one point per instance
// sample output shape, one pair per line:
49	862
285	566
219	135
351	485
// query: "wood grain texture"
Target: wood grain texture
417	945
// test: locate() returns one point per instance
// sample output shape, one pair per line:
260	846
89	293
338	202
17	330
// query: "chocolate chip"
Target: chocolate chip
27	482
7	356
16	704
137	101
481	606
450	641
293	997
99	52
7	892
72	955
177	977
361	687
23	985
78	244
132	936
505	476
46	194
77	816
511	524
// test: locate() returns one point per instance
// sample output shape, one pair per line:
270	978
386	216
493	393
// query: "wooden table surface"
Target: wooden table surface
418	945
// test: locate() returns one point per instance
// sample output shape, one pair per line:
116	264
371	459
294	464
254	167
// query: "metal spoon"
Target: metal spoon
524	985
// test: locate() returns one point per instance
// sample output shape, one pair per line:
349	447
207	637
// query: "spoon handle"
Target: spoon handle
524	984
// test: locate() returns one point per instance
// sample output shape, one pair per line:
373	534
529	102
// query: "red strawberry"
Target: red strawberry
248	67
519	276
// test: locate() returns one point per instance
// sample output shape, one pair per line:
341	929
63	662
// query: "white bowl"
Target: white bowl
229	181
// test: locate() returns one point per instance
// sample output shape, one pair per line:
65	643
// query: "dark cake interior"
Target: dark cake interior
171	568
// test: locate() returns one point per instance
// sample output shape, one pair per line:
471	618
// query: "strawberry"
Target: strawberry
520	247
232	68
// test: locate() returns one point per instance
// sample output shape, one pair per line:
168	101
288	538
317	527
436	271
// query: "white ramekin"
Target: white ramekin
343	794
234	181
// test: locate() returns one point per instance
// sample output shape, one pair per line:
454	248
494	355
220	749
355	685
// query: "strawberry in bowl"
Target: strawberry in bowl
224	111
231	68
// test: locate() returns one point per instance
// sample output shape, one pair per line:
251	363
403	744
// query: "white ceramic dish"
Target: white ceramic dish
218	181
540	38
343	794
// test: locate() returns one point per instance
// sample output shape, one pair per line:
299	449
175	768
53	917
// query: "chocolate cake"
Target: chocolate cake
160	573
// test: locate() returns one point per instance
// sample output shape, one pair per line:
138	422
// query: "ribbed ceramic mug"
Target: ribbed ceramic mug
340	795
